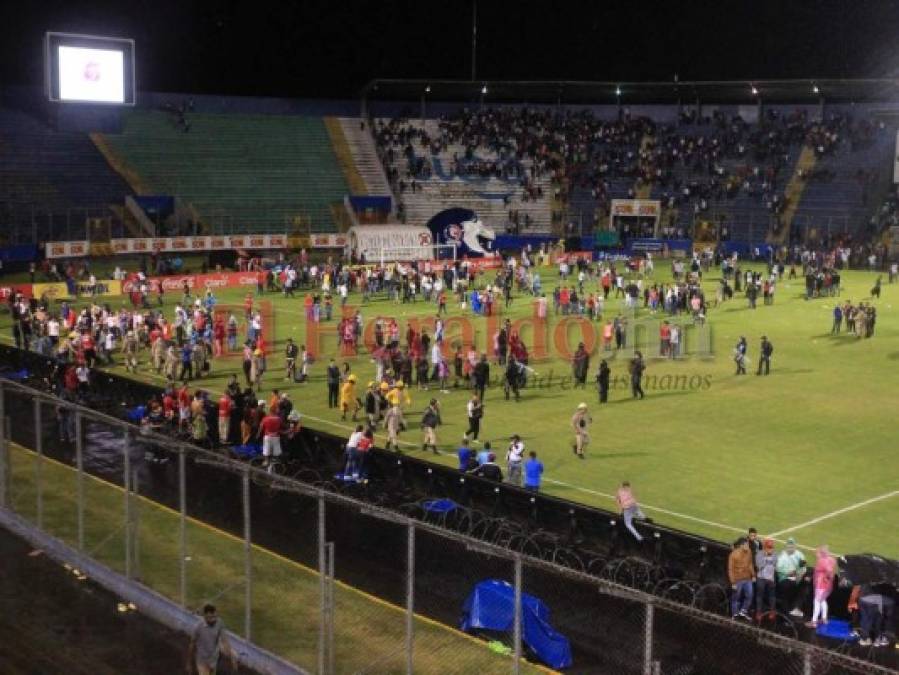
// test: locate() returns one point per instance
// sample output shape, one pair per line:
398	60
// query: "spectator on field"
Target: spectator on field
629	508
790	571
466	456
765	566
489	470
533	472
741	575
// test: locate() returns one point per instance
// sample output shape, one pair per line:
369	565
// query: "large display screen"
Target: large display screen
90	69
91	75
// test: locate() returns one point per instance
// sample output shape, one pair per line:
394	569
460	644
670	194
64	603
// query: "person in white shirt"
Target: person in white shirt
514	458
53	331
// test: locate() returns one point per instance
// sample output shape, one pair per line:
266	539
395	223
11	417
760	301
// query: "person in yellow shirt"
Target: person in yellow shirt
399	396
348	398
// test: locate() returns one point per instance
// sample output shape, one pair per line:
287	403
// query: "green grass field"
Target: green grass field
369	633
806	452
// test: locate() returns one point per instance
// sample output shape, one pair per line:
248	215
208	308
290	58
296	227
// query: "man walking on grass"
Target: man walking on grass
580	422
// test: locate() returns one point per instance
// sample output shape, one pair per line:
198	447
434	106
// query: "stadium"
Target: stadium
472	360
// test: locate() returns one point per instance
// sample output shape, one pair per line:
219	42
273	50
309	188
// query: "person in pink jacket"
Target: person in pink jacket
825	571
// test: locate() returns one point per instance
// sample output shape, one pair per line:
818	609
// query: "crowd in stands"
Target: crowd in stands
698	163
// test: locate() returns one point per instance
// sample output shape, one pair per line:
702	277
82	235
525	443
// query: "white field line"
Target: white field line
838	512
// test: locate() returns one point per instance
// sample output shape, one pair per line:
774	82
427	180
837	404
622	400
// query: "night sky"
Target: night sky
313	48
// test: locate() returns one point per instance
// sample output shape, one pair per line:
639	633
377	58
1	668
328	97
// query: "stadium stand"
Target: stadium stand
754	179
467	162
51	181
239	173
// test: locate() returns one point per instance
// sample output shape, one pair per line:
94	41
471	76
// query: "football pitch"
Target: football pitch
807	452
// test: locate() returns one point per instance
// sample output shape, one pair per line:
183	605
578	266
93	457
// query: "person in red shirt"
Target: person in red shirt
665	337
362	449
225	407
270	432
218	335
87	346
168	406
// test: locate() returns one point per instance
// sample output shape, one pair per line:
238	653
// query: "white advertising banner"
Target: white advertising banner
402	242
70	249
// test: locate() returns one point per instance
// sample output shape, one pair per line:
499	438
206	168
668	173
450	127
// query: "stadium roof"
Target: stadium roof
809	90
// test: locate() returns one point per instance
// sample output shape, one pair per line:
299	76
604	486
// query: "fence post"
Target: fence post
135	521
248	558
79	479
516	664
4	466
330	547
410	596
126	480
38	463
182	527
647	639
807	661
322	573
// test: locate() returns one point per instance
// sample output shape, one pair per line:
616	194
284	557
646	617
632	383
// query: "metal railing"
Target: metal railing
335	584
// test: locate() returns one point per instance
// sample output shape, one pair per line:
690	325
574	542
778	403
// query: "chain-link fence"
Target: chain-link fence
335	584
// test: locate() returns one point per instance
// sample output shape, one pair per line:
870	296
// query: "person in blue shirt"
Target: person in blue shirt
837	319
484	455
533	471
187	370
466	455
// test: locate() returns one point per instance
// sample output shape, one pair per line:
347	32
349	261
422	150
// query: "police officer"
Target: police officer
333	379
765	358
290	354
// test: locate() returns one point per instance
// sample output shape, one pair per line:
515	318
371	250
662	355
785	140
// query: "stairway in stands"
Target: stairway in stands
365	156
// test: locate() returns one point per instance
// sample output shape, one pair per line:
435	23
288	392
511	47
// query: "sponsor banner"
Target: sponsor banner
67	249
636	207
177	282
573	256
21	289
59	290
146	245
328	240
477	264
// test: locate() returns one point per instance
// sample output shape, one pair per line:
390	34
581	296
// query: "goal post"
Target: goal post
388	254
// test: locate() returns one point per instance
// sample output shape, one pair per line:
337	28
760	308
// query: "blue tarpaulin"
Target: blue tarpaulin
491	606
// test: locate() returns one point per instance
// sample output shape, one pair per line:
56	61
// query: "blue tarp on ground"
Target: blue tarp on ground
491	606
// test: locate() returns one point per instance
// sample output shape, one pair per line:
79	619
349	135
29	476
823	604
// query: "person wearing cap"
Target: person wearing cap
348	398
765	582
429	422
399	395
514	459
580	422
393	423
270	432
765	352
